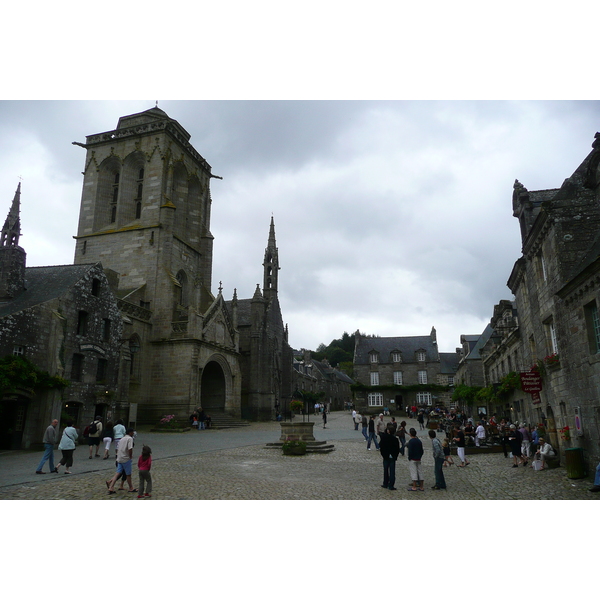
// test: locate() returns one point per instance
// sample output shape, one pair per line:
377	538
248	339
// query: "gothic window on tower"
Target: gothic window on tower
115	196
138	198
182	289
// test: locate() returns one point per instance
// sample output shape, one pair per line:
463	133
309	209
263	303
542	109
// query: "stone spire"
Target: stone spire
12	256
12	226
271	264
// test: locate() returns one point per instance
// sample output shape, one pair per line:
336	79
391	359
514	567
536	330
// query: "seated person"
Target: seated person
545	450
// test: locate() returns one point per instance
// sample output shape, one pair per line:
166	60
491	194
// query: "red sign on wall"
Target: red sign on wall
531	383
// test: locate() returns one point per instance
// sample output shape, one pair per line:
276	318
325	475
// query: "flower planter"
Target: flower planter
295	451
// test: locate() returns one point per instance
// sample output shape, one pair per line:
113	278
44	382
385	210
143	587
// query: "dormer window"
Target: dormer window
421	356
374	357
396	357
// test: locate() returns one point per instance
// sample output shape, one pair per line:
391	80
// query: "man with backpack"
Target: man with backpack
94	435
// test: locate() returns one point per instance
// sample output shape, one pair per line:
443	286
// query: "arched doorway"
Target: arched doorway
13	412
212	387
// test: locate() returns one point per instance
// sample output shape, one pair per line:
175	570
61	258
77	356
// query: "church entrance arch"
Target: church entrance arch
212	387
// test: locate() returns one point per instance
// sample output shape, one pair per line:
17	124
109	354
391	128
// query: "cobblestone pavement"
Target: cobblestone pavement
255	472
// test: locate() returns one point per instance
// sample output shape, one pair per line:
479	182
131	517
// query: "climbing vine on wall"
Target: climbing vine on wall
18	372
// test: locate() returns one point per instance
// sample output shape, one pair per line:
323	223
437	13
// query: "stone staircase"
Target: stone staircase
311	447
222	420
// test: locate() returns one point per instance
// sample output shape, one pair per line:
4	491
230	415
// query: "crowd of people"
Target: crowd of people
525	444
199	420
95	433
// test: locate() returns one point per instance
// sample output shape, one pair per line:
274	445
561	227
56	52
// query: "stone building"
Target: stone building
316	376
394	372
470	367
145	214
65	320
555	325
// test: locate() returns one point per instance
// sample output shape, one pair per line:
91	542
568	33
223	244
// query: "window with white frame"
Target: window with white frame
374	357
422	377
551	337
18	350
424	398
397	377
375	399
421	356
375	378
396	357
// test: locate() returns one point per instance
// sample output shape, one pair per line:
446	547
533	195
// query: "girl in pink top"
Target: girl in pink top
144	464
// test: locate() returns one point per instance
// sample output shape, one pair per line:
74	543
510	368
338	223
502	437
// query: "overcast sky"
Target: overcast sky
391	216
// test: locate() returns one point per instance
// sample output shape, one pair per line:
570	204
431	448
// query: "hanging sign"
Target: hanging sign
531	381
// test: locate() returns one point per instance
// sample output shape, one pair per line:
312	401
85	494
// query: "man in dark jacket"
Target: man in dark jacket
389	447
415	453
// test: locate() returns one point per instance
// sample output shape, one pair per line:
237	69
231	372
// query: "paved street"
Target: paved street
235	464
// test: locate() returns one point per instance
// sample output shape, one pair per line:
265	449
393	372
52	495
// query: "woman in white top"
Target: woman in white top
67	447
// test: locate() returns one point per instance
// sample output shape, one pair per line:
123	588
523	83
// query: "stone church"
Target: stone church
145	214
173	346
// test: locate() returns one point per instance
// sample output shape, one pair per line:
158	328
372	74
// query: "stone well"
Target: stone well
297	431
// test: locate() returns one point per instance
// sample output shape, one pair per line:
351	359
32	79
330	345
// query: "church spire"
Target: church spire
271	264
12	226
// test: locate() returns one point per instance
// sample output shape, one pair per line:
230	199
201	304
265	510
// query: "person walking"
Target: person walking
365	427
438	459
480	434
421	420
380	426
118	433
124	460
415	453
448	460
324	419
401	433
459	438
515	440
144	465
526	443
108	438
95	435
354	419
49	442
372	434
67	447
389	447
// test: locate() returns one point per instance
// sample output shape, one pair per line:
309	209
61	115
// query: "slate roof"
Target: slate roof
475	349
408	346
244	311
449	362
43	284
